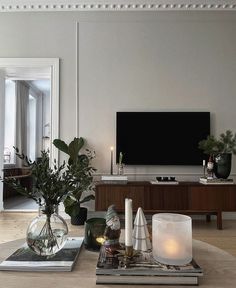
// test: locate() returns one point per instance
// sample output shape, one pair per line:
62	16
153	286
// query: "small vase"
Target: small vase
120	169
47	233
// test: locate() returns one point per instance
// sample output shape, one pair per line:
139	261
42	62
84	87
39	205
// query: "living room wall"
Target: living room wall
157	62
131	61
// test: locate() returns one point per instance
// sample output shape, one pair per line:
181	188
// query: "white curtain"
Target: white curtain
22	100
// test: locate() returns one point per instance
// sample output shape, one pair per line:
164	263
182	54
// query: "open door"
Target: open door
28	72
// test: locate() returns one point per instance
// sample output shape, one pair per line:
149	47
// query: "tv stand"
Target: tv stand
184	198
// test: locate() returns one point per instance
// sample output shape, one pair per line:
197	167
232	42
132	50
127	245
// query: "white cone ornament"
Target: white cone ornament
141	237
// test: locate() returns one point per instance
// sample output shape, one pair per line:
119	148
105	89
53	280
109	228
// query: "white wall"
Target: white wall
158	62
143	61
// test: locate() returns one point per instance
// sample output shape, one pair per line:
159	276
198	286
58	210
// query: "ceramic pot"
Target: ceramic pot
222	166
80	218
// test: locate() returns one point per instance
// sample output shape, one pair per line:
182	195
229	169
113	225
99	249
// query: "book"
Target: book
24	259
205	180
147	280
114	178
156	182
143	269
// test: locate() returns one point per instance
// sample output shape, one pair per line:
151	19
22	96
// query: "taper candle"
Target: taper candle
112	148
204	167
128	223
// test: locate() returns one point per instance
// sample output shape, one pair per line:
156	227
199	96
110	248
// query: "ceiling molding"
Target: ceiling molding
115	5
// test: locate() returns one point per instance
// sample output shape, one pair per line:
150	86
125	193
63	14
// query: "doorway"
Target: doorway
29	93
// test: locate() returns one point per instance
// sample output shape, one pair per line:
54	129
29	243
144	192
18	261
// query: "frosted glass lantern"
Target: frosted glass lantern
172	238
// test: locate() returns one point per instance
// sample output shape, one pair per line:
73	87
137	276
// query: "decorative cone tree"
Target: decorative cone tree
141	237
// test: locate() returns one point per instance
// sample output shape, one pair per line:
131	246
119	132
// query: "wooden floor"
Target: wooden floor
13	226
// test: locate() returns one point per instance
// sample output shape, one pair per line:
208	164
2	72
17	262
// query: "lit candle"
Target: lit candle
112	148
128	223
172	238
171	247
204	167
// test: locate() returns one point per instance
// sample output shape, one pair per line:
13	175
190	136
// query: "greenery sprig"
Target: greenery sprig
49	184
226	143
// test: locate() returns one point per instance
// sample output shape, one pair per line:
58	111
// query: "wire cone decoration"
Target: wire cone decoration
141	237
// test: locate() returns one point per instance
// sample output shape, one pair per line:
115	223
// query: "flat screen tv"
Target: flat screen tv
161	138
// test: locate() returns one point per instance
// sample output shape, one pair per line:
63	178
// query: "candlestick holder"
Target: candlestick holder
129	251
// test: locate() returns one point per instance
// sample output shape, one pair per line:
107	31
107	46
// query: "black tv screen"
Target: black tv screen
161	138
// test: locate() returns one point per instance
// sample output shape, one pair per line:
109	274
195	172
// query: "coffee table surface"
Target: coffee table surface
219	270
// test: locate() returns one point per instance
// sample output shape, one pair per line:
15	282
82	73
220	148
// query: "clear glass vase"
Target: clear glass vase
120	168
47	233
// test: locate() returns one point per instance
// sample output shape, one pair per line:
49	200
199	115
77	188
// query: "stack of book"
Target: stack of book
143	269
24	259
114	179
220	181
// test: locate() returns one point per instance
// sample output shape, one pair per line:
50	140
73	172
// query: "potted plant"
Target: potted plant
79	176
220	150
47	233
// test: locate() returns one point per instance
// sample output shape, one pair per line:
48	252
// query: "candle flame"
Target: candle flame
100	240
171	247
112	148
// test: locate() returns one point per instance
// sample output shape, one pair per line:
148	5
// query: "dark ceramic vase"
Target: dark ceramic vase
222	165
80	218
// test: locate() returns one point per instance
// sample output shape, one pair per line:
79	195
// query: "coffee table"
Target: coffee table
219	270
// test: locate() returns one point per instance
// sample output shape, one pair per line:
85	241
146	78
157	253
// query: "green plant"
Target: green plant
226	143
79	174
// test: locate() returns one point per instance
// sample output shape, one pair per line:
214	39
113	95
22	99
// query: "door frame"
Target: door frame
53	63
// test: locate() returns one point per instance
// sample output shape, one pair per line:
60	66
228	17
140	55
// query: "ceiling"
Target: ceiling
39	77
43	85
27	73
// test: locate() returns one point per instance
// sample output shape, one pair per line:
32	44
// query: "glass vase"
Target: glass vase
120	169
47	233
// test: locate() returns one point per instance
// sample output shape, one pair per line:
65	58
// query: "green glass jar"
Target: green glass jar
94	230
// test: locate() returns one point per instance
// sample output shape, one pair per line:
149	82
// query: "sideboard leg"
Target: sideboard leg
219	220
208	218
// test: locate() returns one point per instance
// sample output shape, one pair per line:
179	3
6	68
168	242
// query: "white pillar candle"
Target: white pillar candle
172	238
128	222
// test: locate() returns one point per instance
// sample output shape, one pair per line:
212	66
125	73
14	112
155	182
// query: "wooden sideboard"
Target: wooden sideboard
22	174
185	198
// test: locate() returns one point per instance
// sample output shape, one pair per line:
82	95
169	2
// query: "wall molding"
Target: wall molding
115	5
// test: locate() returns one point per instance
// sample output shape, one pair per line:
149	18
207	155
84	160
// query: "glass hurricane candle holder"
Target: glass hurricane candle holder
172	238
